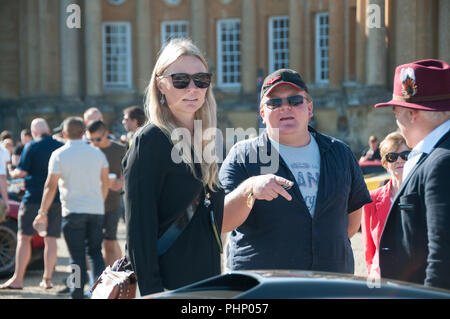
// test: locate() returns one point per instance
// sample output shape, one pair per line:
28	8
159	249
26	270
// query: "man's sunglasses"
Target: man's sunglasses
182	80
294	100
392	156
97	139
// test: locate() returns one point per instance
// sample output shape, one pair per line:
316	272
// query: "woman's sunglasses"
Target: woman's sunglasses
294	100
182	80
392	156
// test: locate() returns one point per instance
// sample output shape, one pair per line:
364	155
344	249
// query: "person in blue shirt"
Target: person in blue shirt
293	195
33	167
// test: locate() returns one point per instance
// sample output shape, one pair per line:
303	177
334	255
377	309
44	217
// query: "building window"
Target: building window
322	47
229	53
117	55
278	43
172	30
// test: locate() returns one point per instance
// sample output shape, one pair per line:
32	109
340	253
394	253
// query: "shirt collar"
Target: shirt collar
77	142
323	141
429	142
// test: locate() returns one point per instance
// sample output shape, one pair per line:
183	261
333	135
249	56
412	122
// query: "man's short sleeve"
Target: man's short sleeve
105	163
2	168
4	158
25	159
5	155
54	165
232	172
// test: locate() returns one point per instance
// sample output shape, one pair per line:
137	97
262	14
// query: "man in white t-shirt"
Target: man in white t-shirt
81	173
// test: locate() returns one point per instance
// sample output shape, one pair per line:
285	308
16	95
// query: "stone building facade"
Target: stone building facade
59	57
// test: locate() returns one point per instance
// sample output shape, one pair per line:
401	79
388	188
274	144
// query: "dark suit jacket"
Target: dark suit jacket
415	243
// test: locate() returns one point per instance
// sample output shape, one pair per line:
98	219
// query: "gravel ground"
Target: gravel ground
33	291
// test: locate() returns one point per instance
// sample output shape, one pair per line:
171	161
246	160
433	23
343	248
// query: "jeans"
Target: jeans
84	233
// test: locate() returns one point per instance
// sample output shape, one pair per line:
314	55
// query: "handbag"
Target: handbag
115	282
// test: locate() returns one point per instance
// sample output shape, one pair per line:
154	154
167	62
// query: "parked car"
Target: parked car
286	284
375	175
8	235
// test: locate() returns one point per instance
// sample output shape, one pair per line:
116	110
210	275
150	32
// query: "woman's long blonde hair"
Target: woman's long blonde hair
161	116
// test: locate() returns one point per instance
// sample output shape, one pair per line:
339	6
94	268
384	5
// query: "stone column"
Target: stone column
309	41
405	31
360	47
198	23
22	47
32	48
70	53
336	53
248	46
296	41
444	31
424	30
143	44
43	47
93	46
376	53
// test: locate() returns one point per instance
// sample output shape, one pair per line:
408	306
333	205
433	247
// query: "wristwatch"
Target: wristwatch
42	213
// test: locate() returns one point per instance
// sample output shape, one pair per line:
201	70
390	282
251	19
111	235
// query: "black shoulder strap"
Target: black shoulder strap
178	225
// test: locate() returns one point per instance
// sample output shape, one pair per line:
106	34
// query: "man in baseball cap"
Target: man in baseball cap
415	244
301	215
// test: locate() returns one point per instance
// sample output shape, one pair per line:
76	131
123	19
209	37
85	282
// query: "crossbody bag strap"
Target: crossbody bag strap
177	227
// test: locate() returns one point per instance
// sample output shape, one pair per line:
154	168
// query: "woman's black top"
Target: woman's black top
157	191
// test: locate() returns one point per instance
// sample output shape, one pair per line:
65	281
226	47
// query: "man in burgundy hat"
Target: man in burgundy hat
415	243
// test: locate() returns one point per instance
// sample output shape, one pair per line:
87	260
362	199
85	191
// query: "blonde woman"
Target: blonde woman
173	201
394	153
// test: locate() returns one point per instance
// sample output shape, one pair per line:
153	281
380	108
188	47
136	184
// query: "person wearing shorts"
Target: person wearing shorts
33	168
111	224
97	134
29	211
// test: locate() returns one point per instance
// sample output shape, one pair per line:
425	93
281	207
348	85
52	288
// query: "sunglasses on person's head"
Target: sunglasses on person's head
393	156
182	80
294	100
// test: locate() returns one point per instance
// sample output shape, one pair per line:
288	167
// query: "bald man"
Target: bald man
92	114
33	167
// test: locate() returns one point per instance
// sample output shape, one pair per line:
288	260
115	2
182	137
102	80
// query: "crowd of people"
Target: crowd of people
73	182
299	215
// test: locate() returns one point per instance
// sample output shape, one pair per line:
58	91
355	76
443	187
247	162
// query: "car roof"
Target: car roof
293	284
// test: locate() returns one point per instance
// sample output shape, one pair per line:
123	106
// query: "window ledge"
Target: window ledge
230	89
111	90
